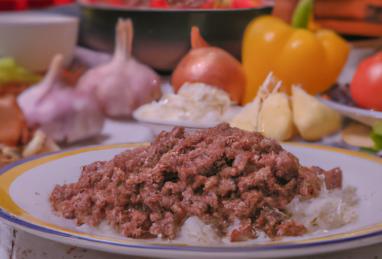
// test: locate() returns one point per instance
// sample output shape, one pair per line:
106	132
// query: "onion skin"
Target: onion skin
210	65
13	130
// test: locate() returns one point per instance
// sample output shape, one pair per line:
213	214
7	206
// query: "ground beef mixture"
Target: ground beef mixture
220	175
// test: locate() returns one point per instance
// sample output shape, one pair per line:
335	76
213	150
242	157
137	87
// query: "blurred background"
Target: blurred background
160	42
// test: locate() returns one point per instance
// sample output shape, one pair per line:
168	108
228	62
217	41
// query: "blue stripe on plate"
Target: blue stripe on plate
254	248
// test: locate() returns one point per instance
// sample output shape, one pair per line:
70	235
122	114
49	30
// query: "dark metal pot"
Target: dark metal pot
162	37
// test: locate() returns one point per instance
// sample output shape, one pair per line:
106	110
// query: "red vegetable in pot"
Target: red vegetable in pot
245	3
159	4
366	86
62	112
210	65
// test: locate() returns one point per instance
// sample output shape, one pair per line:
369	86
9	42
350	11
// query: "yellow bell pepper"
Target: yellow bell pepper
293	53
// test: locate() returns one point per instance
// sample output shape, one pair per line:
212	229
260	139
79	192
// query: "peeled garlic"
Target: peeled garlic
275	117
269	113
63	113
247	118
313	119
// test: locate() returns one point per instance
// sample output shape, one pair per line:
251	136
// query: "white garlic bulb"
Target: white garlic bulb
123	84
63	113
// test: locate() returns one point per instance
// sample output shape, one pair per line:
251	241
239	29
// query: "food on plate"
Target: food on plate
13	127
14	78
366	86
361	99
269	113
313	119
358	135
368	139
210	65
123	84
63	113
194	102
238	184
38	143
294	54
340	93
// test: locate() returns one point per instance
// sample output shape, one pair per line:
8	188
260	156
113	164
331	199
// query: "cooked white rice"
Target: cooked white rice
331	210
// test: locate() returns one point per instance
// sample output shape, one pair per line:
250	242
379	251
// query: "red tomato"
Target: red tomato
366	86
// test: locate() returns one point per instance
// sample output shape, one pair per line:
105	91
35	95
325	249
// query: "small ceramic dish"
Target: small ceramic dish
32	39
368	117
158	125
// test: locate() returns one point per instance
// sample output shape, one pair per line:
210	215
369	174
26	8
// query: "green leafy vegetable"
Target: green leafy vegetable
10	72
377	128
371	151
376	135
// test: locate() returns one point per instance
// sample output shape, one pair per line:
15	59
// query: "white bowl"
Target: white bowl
368	117
32	39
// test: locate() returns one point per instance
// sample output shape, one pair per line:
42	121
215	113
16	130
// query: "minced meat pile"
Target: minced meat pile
220	175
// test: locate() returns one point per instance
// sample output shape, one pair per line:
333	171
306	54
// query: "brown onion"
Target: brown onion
13	127
210	65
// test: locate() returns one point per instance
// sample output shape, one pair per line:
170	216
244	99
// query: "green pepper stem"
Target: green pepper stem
302	14
377	128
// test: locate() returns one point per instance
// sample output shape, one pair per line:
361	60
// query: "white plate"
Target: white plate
25	187
368	117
